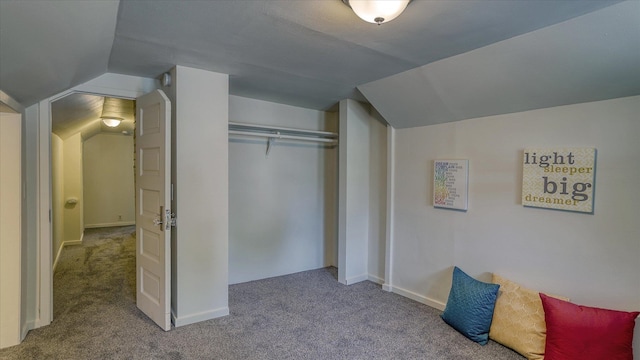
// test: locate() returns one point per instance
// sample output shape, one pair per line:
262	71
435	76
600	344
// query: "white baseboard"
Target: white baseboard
113	224
55	261
356	279
194	318
71	242
417	297
65	243
26	327
375	279
39	322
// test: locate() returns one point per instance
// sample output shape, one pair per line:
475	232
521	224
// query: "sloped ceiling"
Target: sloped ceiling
588	58
314	53
304	53
79	112
50	46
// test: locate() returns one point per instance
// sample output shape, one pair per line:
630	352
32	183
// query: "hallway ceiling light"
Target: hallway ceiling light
111	122
111	112
377	11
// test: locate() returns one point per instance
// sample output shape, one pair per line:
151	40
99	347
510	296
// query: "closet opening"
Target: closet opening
283	189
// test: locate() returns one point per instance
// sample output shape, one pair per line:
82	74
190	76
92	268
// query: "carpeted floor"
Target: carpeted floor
307	315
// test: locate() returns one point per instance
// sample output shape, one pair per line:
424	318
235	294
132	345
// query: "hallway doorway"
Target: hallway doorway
92	176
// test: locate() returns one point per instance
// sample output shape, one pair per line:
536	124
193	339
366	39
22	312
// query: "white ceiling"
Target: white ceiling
306	53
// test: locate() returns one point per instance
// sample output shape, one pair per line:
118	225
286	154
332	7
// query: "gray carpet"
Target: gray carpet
307	315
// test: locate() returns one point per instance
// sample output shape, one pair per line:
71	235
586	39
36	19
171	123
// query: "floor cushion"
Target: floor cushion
587	333
470	306
518	319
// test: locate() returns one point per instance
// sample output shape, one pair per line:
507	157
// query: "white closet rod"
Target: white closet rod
282	136
274	132
254	127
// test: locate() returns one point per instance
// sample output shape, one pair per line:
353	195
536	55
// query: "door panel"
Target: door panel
153	237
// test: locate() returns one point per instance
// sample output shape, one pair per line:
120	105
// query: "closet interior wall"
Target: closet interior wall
282	206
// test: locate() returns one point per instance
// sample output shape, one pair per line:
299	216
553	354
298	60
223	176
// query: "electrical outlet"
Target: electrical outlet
119	217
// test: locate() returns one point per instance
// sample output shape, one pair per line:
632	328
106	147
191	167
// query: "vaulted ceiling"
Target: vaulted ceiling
434	63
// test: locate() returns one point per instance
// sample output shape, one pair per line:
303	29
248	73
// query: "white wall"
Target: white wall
10	228
57	194
200	116
353	213
66	182
109	196
377	197
592	259
281	207
30	218
362	194
73	223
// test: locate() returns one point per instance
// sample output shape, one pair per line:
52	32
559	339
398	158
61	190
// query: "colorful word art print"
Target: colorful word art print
559	178
450	184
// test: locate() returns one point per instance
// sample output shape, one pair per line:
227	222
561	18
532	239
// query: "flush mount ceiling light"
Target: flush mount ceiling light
111	122
111	112
377	11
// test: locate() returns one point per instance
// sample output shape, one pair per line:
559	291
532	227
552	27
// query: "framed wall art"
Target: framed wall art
559	178
450	184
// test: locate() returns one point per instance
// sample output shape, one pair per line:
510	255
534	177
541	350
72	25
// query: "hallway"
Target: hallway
93	300
98	273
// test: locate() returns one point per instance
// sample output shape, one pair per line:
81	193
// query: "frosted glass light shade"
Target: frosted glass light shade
378	11
111	112
111	122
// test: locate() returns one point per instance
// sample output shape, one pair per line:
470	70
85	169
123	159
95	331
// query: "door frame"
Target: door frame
113	85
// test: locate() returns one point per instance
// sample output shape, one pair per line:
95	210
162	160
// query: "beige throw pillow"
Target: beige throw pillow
518	319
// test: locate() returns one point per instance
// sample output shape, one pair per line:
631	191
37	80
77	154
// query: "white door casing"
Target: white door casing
153	202
38	139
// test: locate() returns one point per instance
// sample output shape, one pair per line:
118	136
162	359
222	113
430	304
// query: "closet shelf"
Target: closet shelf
274	133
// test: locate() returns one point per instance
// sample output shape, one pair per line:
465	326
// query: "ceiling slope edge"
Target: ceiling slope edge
589	58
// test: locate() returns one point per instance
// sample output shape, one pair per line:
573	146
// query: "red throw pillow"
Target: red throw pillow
586	333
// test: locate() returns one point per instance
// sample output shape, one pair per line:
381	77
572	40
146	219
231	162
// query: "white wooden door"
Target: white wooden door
153	201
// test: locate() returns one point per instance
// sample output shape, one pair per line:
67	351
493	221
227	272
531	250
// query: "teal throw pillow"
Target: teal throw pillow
470	306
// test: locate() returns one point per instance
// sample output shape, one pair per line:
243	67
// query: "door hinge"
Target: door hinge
158	221
166	219
170	219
